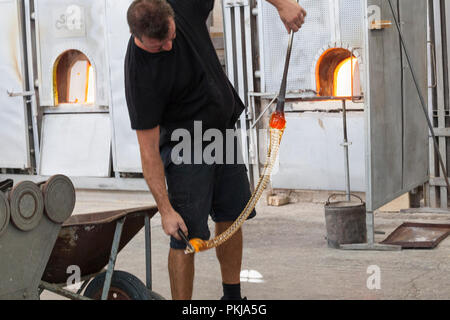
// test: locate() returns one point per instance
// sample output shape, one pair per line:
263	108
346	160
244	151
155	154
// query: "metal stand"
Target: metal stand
345	144
370	245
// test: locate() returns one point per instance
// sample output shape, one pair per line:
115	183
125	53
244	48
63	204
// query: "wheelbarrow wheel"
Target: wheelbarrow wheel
124	286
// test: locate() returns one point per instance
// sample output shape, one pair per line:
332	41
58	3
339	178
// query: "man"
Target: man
173	78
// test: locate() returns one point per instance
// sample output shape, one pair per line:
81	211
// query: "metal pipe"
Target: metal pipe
262	113
33	101
345	145
316	97
422	100
148	253
282	94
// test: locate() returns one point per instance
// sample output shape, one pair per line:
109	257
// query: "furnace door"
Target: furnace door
396	133
13	120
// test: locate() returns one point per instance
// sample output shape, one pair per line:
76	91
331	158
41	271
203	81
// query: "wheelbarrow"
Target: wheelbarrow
89	242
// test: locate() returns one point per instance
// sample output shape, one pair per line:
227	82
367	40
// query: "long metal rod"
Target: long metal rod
33	102
345	145
148	253
282	95
262	113
422	100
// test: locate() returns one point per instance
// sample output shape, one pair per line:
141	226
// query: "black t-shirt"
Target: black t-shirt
175	88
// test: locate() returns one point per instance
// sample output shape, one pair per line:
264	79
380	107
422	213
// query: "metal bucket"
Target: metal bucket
345	222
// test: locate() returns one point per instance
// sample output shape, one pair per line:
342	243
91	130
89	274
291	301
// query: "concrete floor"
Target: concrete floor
287	248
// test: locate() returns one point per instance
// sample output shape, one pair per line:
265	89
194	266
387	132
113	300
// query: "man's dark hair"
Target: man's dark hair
149	18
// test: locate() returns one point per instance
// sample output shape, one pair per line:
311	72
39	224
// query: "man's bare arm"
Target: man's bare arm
153	169
291	13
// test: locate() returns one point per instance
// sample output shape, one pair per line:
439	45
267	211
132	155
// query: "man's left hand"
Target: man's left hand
292	14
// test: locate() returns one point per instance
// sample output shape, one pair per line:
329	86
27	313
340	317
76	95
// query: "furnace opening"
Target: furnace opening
74	79
337	74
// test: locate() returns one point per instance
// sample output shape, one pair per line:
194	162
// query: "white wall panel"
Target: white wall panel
13	121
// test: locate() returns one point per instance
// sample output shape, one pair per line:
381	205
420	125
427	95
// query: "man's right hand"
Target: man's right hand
171	222
291	13
153	169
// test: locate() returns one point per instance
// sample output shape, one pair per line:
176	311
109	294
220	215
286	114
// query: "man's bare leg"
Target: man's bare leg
181	273
230	255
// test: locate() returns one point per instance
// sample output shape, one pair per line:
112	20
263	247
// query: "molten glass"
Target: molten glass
277	126
277	120
198	244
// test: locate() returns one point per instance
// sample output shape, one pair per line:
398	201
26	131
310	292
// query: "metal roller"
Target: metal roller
5	213
26	205
59	198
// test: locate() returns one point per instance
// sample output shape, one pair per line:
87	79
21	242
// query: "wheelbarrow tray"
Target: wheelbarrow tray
413	235
85	241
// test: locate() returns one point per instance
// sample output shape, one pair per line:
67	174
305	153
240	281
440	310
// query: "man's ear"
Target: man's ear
137	37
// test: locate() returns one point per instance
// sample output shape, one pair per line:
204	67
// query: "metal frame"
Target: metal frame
439	14
406	185
371	245
237	16
30	78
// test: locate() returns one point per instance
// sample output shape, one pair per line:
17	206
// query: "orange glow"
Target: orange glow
73	79
277	120
343	78
198	244
90	86
81	83
318	69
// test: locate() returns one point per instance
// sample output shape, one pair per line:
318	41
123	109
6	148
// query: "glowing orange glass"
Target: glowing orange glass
277	120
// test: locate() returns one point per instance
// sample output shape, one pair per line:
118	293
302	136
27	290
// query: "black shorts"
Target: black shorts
197	191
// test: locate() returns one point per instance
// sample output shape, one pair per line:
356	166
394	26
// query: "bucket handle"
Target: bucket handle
340	194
